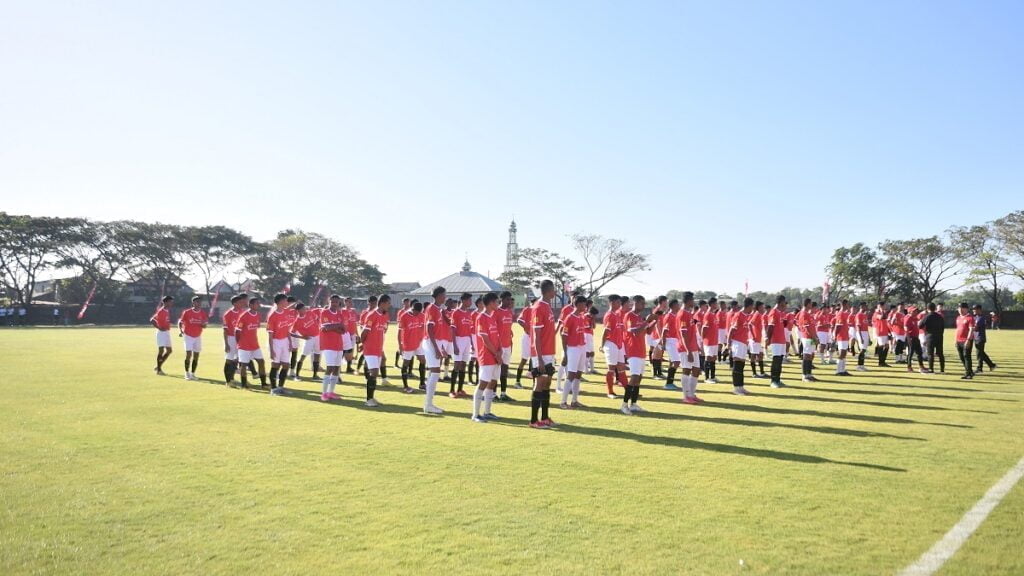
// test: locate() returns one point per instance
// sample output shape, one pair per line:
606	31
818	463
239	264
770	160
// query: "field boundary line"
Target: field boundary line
930	562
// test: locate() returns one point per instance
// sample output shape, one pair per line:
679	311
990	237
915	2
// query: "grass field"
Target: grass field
107	468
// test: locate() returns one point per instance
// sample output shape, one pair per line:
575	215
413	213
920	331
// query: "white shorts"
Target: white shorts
506	355
576	359
193	344
612	354
723	335
294	342
524	347
778	349
824	338
409	354
232	353
636	366
588	342
427	350
864	339
711	350
738	349
754	347
346	341
163	338
672	348
808	345
333	358
883	340
465	346
843	344
900	337
372	362
312	346
651	340
690	360
489	373
246	356
280	351
543	361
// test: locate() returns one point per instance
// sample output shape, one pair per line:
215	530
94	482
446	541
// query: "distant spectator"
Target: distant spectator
21	316
995	320
56	316
981	321
11	315
3	314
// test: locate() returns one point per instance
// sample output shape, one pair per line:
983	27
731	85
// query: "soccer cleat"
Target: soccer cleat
925	371
518	386
577	405
453	395
563	406
625	410
740	391
505	398
461	394
295	378
325	398
845	373
490	416
698	399
188	376
433	410
160	372
548	423
862	368
372	403
807	379
711	381
670	386
778	384
635	408
384	382
538	425
479	419
612	396
690	400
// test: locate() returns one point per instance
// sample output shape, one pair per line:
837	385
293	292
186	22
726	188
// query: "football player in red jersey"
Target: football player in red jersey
611	344
238	303
636	327
191	324
375	324
778	339
410	337
739	336
161	320
574	350
247	328
488	353
542	328
505	318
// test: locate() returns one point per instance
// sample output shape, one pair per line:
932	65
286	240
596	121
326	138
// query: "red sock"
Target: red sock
623	380
609	379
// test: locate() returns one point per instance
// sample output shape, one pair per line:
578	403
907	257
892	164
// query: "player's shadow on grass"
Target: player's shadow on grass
826	400
715	447
691	417
904	394
353	401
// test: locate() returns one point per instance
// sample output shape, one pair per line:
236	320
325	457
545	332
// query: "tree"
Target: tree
29	245
606	260
537	264
1009	233
926	265
853	269
982	255
211	249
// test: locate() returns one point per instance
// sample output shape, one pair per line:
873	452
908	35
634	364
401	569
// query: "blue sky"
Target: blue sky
728	140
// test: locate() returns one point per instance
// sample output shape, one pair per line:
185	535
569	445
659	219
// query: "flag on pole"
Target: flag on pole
824	292
316	294
88	299
213	304
746	288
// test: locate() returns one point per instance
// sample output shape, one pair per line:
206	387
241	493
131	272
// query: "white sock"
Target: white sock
478	395
428	399
575	390
841	365
488	400
693	386
565	391
325	386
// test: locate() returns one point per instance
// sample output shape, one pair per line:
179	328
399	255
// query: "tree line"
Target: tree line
109	255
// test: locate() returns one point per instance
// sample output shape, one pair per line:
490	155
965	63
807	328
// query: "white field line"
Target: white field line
930	562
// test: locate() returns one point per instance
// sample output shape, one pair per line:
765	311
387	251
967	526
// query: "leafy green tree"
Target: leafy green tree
981	253
605	260
28	246
925	266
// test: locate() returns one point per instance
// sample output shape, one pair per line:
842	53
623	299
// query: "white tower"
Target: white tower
512	250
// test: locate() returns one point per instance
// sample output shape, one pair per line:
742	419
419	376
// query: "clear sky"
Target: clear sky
728	140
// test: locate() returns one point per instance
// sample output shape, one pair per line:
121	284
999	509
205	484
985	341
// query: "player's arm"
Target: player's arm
489	345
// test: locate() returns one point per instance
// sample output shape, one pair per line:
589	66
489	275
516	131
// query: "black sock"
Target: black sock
503	378
252	367
657	367
452	382
760	364
371	386
263	379
273	376
359	363
776	368
348	365
405	378
295	357
860	357
188	361
195	362
519	374
423	375
671	375
714	369
462	379
753	367
383	368
282	376
737	373
316	367
807	367
298	367
228	371
534	406
545	403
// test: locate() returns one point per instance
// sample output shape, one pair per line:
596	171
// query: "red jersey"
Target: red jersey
823	321
613	328
805	324
910	326
777	320
738	326
362	317
842	326
331	340
307	326
486	324
670	325
963	327
687	331
636	344
709	329
193	321
565	312
375	323
525	317
543	328
435	317
247	329
881	326
278	324
790	318
572	329
756	325
412	328
861	321
351	325
504	320
463	321
722	319
162	317
588	328
896	323
229	318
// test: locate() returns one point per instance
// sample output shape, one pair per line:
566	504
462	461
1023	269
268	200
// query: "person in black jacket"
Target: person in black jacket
933	326
981	323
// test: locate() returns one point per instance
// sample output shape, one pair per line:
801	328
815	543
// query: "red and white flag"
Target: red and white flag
213	304
316	295
746	288
88	299
824	292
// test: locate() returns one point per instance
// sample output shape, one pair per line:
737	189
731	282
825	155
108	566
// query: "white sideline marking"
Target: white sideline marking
930	562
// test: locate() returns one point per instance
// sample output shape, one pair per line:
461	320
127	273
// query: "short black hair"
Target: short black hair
780	299
931	306
238	297
614	298
166	299
197	298
505	294
466	296
291	298
383	298
687	297
437	291
254	299
579	300
300	306
488	298
279	297
371	299
748	301
417	306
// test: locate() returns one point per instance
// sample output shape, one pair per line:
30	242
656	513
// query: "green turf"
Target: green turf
107	468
